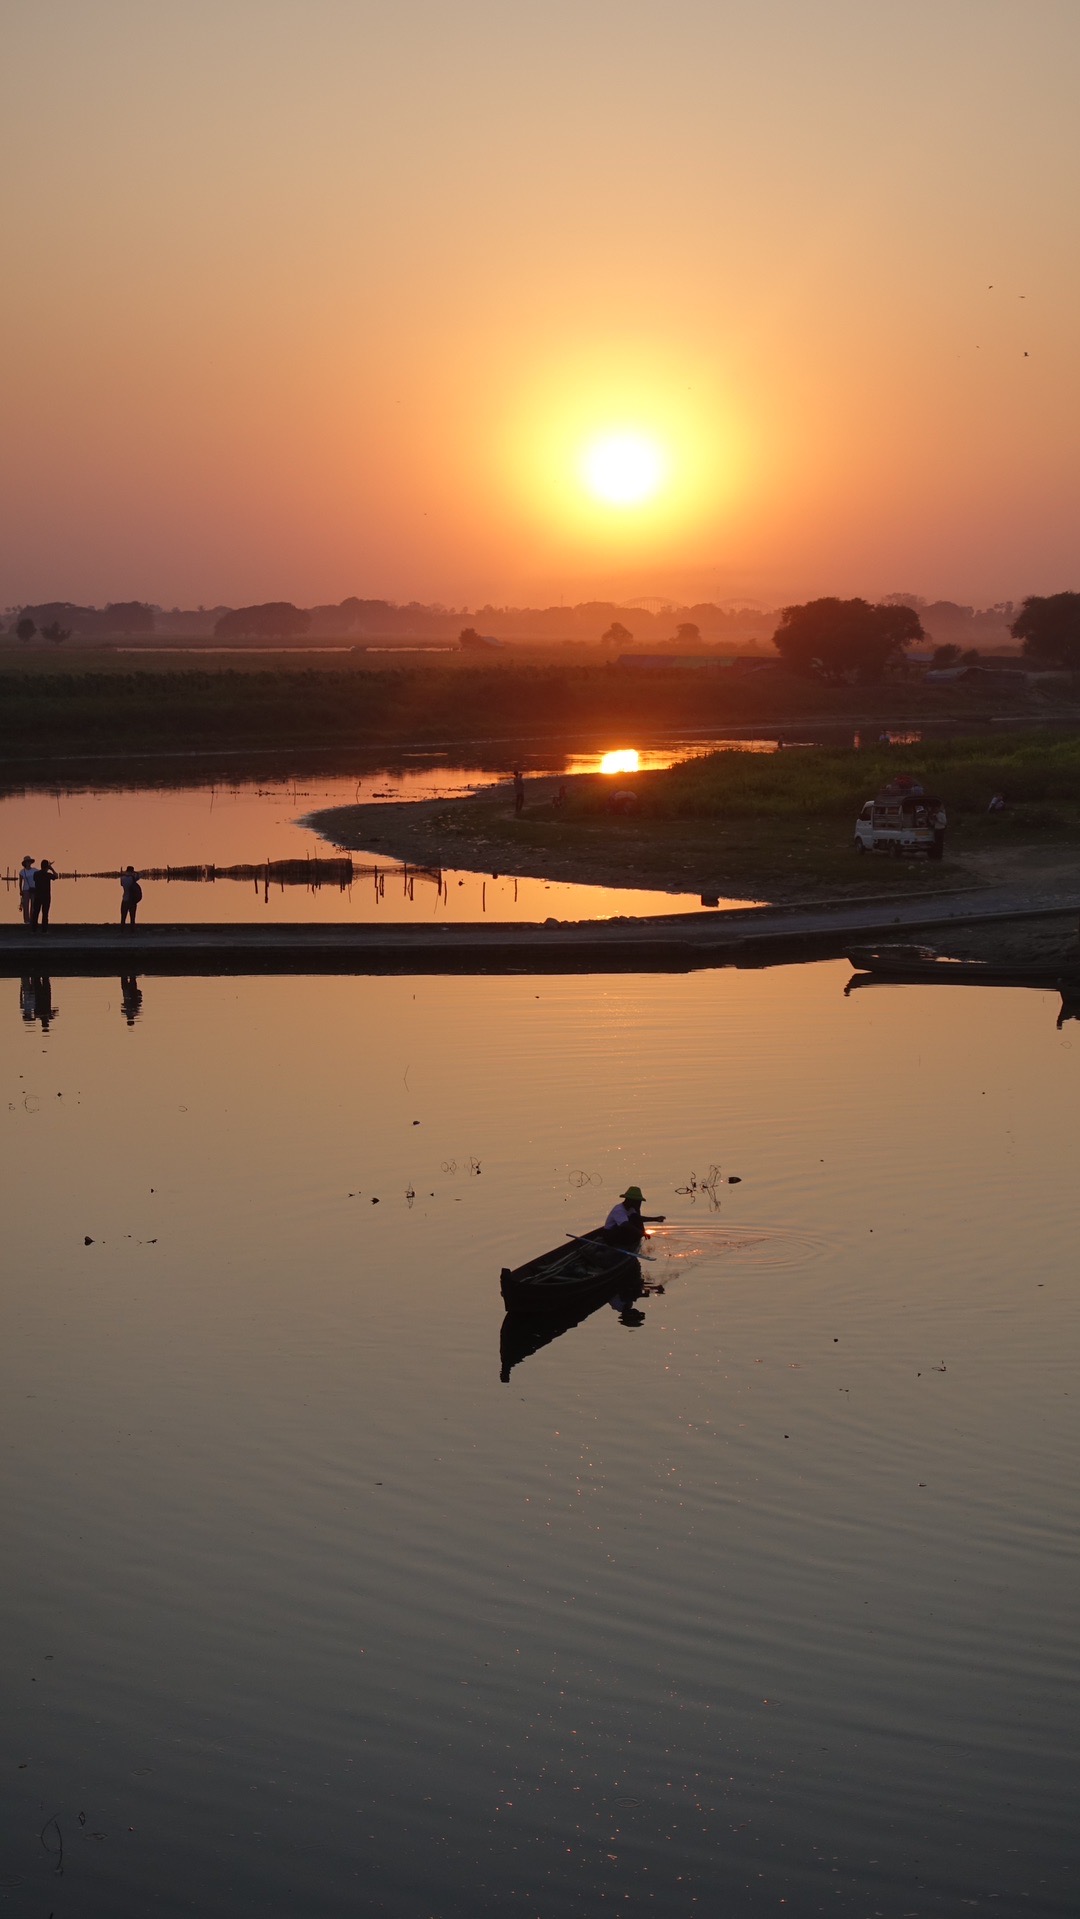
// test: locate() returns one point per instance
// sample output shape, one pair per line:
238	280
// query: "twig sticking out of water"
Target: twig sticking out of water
708	1185
54	1851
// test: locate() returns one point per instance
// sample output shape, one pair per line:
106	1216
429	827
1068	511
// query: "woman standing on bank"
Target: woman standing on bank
27	876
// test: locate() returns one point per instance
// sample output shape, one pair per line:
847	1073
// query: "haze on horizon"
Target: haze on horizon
306	298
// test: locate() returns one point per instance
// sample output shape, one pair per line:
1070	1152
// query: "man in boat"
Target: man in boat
625	1224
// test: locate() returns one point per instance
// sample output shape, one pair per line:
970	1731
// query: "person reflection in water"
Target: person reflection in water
130	998
36	1001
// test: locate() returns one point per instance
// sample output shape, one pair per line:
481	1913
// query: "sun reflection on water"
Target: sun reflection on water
626	760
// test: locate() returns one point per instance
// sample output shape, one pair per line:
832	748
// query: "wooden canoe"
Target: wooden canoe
907	969
563	1281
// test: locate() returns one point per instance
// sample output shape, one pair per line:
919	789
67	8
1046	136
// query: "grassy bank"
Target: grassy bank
144	711
1038	773
763	826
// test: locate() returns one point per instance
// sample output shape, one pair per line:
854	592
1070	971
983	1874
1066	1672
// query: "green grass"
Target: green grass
1039	774
139	710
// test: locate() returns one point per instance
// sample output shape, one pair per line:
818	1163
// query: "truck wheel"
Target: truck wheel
859	846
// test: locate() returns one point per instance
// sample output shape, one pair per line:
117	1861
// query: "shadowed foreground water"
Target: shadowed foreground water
769	1599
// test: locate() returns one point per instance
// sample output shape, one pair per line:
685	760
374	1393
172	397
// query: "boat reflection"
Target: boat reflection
523	1334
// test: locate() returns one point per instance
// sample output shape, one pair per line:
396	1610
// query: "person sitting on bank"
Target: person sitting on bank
625	1224
130	895
27	877
42	900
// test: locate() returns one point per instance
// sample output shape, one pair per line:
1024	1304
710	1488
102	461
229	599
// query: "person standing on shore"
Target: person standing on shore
42	900
519	793
27	877
130	895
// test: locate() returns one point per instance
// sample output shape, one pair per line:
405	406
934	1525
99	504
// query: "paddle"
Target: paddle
591	1239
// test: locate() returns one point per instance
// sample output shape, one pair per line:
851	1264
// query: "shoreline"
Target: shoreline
1032	885
480	833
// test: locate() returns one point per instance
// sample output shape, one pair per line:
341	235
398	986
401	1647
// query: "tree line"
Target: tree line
833	638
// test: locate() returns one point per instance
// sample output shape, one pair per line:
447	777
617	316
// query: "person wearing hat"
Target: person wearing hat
625	1224
27	878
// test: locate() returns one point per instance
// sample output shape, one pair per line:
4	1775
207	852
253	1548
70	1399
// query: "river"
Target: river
165	814
765	1602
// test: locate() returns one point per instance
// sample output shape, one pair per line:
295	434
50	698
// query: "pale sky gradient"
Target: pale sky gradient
311	297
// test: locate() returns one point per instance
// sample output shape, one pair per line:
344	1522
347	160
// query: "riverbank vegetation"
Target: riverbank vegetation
140	711
776	826
1037	774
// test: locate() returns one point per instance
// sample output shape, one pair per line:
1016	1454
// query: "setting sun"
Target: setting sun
624	469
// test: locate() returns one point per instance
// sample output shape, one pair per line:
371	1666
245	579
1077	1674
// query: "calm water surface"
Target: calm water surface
766	1603
87	828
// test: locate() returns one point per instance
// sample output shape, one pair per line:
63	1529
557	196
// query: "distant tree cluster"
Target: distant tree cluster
275	620
58	620
831	638
1049	627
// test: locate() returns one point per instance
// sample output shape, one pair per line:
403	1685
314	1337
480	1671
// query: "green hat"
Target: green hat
634	1194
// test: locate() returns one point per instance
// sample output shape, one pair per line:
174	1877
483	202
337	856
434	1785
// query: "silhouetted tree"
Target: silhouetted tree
55	632
945	655
1049	626
25	629
275	620
475	642
687	634
617	635
831	637
127	616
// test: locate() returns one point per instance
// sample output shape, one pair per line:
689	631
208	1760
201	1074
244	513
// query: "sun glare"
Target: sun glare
624	469
626	760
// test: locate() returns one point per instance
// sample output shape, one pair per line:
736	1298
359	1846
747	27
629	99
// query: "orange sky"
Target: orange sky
311	297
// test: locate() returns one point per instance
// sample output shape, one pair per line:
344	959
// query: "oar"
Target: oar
590	1239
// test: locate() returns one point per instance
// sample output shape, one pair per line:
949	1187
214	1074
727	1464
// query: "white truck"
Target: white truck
903	821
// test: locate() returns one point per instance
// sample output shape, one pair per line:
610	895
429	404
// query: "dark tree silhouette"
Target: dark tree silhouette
25	629
275	620
128	616
946	655
55	632
617	635
1049	626
832	637
687	634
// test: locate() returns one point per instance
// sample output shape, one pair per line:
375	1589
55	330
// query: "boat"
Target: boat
560	1282
912	966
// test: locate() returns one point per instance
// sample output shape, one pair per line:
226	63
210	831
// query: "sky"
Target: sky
304	298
